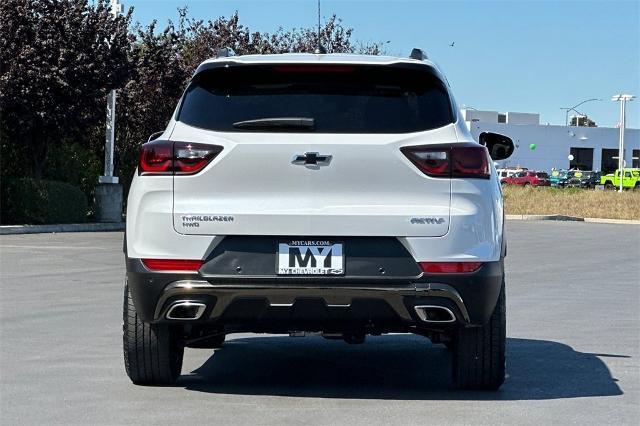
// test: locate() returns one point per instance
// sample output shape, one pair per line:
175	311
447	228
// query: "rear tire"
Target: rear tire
479	352
608	186
152	355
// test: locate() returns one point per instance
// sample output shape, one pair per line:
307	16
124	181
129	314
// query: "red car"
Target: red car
526	178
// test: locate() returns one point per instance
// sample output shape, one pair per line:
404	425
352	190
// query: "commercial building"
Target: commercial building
543	147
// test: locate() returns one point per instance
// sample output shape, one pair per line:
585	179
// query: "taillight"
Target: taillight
464	160
156	157
175	158
470	161
192	157
449	267
172	265
431	160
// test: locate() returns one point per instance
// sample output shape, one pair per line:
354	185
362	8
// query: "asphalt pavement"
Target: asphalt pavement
573	312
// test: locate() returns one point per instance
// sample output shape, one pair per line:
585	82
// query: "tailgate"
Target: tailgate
366	188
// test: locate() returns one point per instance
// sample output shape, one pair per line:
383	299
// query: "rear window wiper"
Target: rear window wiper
277	123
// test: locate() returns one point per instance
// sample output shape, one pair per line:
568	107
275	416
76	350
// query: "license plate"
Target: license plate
310	257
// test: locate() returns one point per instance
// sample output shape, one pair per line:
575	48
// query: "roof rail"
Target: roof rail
418	54
225	52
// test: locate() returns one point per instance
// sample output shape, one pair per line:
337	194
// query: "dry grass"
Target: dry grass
573	202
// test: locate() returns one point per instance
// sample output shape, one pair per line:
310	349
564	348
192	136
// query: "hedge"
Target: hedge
31	201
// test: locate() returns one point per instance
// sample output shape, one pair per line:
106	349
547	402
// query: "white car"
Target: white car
333	194
510	172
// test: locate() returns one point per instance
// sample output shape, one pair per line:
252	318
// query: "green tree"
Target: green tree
582	121
58	59
334	37
148	98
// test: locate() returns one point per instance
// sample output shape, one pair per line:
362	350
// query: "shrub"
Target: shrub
32	201
74	164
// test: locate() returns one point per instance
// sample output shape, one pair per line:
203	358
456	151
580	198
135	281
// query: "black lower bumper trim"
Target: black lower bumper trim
472	297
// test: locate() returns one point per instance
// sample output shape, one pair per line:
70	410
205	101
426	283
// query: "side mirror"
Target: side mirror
500	146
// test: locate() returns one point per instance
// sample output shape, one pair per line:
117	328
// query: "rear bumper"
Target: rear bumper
277	304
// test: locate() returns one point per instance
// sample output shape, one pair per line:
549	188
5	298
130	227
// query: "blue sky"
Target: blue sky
533	56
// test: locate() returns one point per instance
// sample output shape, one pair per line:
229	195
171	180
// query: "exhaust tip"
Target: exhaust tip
186	310
434	314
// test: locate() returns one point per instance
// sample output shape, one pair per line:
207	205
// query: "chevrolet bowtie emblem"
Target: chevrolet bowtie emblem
311	159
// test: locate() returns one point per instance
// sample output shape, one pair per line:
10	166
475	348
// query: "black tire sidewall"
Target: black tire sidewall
479	361
152	353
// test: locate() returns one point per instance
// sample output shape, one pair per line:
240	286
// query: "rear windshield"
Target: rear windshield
338	98
542	175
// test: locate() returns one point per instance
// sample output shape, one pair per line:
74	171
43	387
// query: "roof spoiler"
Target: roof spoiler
419	54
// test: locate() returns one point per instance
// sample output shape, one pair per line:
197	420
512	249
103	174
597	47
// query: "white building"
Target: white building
543	147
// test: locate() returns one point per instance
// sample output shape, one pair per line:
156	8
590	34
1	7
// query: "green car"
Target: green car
560	177
630	180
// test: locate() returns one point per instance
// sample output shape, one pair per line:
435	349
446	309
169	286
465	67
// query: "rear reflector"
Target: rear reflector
175	158
449	267
460	160
172	264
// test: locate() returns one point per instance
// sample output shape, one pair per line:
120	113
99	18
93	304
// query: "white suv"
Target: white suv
316	193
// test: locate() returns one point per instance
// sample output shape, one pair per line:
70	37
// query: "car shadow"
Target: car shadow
400	367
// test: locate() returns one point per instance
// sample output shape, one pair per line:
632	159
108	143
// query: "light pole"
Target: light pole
110	136
566	118
623	100
108	193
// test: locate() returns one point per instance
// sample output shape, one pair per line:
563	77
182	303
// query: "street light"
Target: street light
116	9
573	108
108	193
623	100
